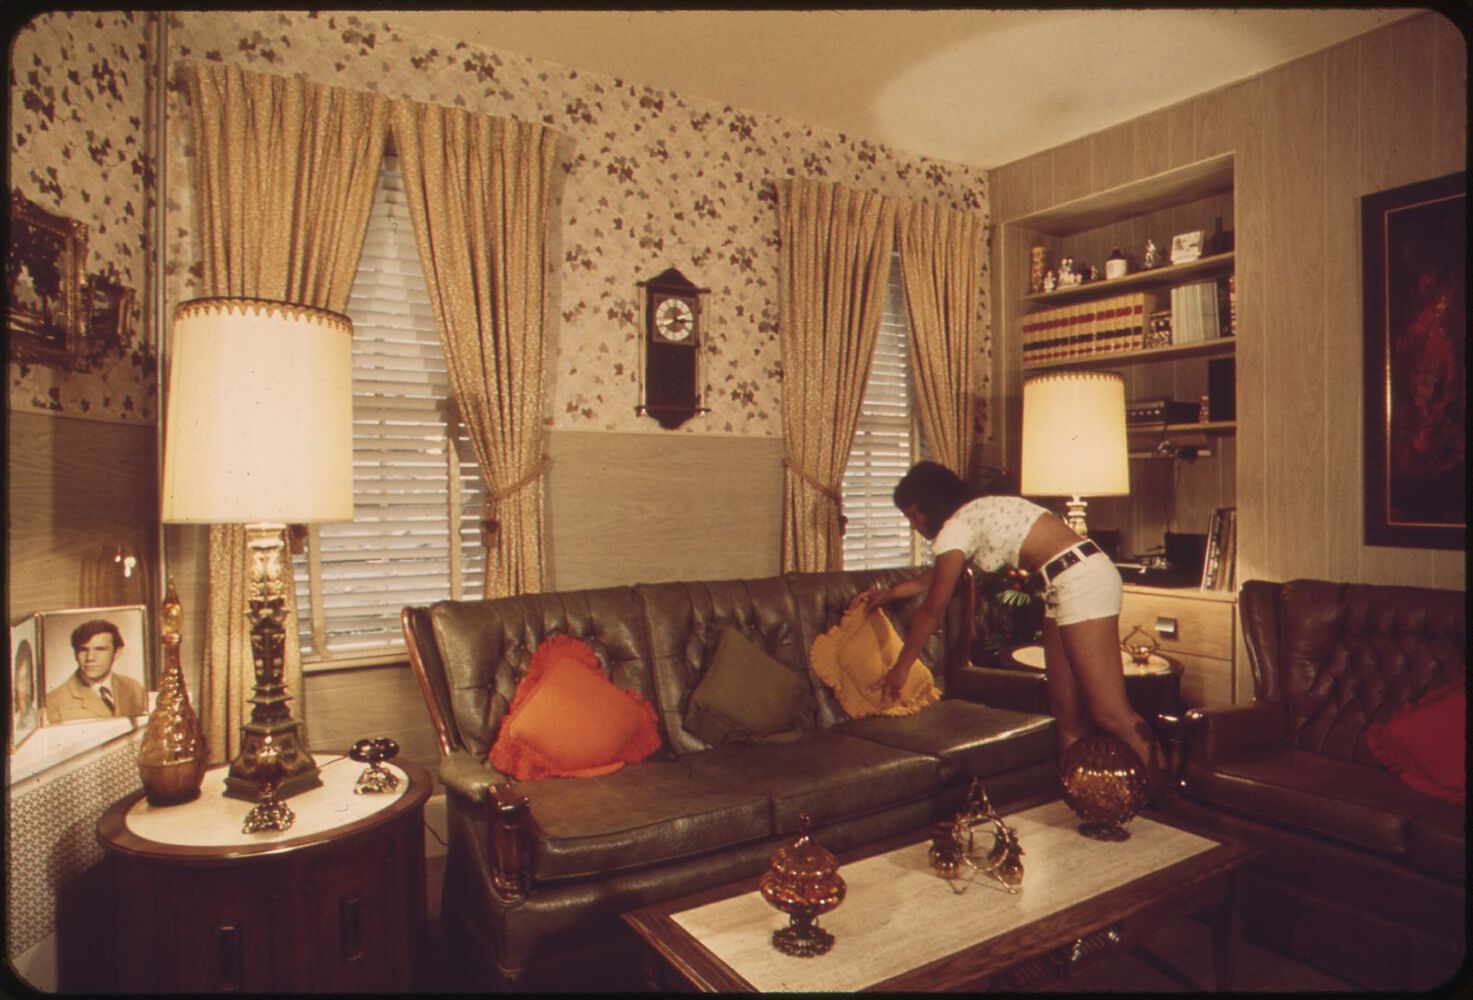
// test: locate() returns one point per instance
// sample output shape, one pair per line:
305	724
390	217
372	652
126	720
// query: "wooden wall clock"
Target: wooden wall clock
672	349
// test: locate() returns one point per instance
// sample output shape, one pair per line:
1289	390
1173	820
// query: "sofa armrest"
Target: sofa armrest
1214	734
505	815
465	776
1013	689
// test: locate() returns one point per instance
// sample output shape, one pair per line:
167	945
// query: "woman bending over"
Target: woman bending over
1081	629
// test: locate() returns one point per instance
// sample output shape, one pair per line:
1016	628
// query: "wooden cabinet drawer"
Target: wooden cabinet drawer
1205	680
1181	624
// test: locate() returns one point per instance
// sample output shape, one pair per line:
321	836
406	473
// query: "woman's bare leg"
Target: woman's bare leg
1070	711
1092	651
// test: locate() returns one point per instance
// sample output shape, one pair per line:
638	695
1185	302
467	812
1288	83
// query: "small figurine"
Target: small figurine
1050	281
1153	256
1094	273
1067	277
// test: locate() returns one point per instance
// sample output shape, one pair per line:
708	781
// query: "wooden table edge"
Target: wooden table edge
114	836
701	968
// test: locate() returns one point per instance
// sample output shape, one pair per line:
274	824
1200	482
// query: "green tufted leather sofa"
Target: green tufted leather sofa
538	872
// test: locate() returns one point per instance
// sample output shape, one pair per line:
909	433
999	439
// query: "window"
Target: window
877	535
414	537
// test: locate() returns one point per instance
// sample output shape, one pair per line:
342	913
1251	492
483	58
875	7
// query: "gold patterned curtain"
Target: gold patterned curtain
479	190
940	263
832	270
286	172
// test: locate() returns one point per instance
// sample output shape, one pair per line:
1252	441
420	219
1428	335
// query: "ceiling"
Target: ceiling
982	87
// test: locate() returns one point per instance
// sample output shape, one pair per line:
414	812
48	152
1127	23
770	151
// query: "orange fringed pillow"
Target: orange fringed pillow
854	654
567	719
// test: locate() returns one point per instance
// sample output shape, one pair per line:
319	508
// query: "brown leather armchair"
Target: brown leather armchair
1364	876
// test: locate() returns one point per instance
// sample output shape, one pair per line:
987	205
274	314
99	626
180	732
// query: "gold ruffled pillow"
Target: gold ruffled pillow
856	653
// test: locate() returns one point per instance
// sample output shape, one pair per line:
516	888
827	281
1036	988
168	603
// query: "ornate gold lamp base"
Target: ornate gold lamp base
1105	785
298	770
269	813
271	722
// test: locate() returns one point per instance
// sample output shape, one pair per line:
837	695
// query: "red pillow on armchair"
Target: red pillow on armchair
1425	742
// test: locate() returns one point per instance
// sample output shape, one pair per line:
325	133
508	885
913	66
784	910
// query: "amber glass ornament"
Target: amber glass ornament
803	881
1105	785
172	758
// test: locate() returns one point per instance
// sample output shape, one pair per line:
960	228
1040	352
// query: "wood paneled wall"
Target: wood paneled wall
1309	139
74	487
646	508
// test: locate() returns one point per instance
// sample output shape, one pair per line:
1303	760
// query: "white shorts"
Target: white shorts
1085	591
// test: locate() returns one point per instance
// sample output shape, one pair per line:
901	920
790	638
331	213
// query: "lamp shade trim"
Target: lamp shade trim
244	306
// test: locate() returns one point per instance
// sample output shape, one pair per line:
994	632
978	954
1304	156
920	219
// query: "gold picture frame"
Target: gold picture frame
44	285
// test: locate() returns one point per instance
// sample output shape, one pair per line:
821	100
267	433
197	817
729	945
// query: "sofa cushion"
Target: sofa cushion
828	775
1426	743
684	622
852	657
970	739
654	813
1437	841
746	695
1348	802
568	719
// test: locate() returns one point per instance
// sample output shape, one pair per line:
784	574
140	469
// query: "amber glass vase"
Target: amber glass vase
172	759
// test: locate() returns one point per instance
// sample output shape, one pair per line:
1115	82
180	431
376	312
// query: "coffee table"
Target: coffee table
902	927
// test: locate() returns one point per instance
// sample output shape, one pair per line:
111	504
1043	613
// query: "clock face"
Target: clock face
675	320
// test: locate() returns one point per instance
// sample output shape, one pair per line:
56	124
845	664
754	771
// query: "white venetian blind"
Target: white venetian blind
877	535
414	537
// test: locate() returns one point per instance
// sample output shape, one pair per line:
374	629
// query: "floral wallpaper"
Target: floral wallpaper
79	148
652	180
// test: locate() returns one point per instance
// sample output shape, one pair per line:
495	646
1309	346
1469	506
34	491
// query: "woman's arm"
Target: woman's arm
928	617
917	584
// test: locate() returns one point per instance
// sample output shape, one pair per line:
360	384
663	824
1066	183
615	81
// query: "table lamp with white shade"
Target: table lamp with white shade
259	432
1074	441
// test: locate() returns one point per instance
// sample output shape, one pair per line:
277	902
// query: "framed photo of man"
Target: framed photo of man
25	681
96	663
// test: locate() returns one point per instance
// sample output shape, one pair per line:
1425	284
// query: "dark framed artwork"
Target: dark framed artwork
109	310
1416	364
43	282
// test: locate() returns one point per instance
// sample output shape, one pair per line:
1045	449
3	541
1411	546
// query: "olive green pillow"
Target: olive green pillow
746	696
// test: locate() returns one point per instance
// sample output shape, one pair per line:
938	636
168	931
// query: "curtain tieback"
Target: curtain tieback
490	526
831	492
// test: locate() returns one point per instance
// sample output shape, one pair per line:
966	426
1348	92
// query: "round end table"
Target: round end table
335	903
1154	688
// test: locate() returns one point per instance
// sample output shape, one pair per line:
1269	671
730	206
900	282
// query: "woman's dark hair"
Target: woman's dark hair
935	490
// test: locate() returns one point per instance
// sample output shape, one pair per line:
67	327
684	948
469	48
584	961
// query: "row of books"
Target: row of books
1196	313
1219	563
1102	326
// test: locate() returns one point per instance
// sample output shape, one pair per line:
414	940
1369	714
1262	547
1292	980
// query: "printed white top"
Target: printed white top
989	531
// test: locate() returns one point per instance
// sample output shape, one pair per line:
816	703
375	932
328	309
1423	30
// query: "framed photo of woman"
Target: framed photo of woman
25	681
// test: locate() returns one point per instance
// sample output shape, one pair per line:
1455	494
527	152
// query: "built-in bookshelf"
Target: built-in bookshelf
1182	470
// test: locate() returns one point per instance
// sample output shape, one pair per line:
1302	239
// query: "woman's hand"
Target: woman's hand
890	684
870	599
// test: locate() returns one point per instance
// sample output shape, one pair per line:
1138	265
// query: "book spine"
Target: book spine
1212	557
